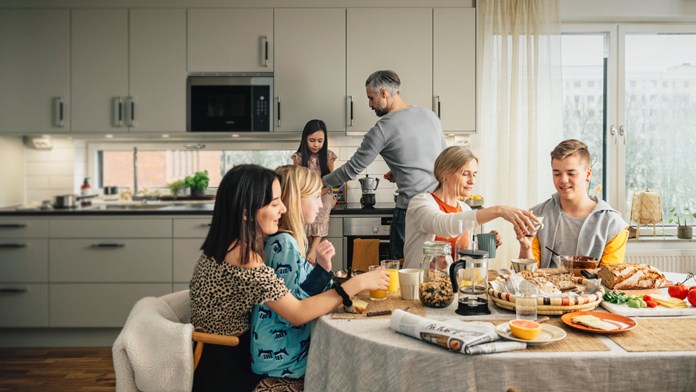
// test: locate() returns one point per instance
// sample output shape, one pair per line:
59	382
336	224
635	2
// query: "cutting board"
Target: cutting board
393	302
659	311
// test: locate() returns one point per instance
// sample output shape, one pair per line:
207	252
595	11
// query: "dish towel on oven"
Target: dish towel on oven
454	335
365	253
154	351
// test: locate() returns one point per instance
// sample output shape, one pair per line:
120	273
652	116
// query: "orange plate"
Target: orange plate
624	323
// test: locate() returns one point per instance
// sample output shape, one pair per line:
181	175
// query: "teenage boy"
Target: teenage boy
575	223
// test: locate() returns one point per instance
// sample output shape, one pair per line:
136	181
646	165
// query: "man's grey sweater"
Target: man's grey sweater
409	140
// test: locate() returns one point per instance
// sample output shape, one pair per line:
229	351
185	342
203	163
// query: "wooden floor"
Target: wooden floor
57	369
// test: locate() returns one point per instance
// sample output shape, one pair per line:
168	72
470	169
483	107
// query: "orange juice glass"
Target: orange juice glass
378	295
393	267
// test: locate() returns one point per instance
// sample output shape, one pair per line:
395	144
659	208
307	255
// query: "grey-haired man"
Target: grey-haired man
409	138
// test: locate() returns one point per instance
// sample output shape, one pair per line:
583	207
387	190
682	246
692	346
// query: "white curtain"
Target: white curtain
520	105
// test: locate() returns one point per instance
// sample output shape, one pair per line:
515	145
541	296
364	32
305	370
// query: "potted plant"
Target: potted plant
684	231
198	183
176	187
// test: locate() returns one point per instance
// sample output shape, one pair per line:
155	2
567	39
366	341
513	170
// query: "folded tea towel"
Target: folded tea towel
365	253
154	351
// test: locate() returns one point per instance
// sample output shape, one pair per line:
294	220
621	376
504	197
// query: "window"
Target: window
641	128
158	165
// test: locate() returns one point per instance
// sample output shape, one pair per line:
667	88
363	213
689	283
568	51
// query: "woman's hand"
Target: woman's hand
498	238
522	220
324	253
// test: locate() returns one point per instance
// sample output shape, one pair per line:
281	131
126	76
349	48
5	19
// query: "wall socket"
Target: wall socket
460	140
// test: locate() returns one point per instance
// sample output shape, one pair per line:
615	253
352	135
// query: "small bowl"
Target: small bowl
581	263
519	265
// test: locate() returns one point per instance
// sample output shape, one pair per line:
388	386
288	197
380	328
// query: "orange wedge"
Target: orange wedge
525	329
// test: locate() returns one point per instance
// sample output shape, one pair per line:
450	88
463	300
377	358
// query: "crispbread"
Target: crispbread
594	322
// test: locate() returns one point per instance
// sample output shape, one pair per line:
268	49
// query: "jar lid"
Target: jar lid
436	246
474	254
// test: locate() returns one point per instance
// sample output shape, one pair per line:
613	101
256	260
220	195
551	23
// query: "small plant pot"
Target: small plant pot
685	232
195	192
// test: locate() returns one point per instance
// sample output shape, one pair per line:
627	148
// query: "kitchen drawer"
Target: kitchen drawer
24	260
111	260
192	228
98	305
24	305
111	228
23	228
335	227
186	254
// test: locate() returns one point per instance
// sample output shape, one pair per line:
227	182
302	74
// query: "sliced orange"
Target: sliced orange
525	329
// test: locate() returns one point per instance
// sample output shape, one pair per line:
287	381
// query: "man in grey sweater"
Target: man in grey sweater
408	137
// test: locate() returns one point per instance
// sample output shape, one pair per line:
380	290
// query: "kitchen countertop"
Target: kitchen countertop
173	209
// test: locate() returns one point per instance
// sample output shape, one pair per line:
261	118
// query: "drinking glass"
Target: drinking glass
526	307
378	295
393	267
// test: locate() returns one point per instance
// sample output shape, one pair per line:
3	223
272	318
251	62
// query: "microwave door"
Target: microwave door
221	108
261	106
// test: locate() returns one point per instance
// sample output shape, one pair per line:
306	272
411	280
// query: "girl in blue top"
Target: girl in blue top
279	349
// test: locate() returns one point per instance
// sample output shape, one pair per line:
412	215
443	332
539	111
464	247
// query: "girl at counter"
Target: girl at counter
285	253
314	153
436	215
230	277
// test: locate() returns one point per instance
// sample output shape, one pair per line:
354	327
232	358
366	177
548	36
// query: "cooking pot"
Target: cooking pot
110	190
68	201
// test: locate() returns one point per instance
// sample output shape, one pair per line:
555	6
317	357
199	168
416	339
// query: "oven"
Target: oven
365	227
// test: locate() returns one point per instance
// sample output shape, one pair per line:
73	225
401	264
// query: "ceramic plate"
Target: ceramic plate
624	323
548	334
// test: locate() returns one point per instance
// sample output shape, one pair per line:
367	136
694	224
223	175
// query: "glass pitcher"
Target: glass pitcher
435	288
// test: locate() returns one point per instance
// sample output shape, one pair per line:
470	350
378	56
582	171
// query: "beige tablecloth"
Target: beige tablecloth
366	355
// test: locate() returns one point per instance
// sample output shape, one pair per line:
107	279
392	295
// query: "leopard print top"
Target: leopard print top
223	295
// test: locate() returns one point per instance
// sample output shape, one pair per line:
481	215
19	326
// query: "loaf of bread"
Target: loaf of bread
631	276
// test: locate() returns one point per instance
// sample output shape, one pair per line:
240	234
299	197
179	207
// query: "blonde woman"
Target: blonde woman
436	215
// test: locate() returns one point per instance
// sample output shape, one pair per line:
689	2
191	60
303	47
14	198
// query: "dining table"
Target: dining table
365	354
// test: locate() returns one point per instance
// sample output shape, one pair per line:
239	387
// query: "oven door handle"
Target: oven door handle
383	241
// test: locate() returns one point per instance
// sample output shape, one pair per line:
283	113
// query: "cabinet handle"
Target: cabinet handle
437	106
10	290
118	111
13	246
58	112
130	105
12	225
108	245
612	132
278	98
622	132
204	225
350	111
264	51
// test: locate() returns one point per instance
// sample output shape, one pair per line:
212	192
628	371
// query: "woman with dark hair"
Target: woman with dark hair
230	277
314	154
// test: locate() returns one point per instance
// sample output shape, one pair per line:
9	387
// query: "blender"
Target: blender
472	286
369	186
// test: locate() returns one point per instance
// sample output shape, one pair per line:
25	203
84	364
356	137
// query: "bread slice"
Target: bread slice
359	306
594	322
631	276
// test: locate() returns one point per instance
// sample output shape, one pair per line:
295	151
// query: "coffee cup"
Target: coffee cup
408	280
536	226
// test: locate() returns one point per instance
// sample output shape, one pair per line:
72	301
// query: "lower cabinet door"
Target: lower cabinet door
23	305
187	251
98	305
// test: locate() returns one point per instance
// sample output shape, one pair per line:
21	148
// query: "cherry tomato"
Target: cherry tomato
678	291
647	298
692	288
651	304
692	297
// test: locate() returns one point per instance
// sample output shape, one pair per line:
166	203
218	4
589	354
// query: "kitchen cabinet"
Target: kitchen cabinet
335	236
157	70
24	272
454	68
230	40
310	68
34	71
128	70
189	234
399	39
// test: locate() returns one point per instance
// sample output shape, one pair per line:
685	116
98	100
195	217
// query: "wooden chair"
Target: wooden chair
201	338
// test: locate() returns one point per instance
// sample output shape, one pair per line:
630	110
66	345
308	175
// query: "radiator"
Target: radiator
666	260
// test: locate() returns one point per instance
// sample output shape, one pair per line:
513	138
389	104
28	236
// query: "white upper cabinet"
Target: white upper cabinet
157	77
399	39
34	71
230	40
99	70
310	68
454	68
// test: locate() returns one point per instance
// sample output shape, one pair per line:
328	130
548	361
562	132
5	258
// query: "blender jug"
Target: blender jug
471	283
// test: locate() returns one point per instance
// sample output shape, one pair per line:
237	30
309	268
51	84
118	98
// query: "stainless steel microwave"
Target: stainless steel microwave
230	102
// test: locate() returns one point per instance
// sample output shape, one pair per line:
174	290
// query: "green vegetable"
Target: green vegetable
615	297
198	181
